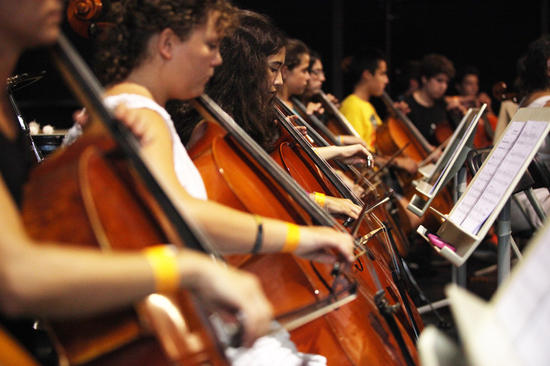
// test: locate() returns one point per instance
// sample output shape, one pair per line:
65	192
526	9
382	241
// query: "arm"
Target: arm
237	231
57	281
355	153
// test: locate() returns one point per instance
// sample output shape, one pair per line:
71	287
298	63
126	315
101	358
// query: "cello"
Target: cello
84	181
234	176
398	132
383	250
399	216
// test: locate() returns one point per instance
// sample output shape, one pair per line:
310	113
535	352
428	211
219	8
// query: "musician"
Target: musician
369	74
428	107
54	281
313	88
295	73
254	114
534	81
467	86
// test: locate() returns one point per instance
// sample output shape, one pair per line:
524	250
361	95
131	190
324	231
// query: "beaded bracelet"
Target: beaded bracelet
162	259
292	238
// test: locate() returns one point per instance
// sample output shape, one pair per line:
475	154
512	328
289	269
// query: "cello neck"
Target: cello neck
340	118
283	112
319	125
406	121
211	111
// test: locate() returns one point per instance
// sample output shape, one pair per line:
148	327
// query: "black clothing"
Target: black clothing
426	119
15	163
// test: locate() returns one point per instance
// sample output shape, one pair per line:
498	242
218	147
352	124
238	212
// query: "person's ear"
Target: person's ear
165	43
285	72
366	75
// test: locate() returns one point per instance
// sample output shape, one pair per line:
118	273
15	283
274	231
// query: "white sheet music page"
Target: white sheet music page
464	208
523	307
494	179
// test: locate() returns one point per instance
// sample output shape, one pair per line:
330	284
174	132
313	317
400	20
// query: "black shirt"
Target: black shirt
15	163
427	118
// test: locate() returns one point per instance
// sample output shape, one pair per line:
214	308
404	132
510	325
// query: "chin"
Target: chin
46	38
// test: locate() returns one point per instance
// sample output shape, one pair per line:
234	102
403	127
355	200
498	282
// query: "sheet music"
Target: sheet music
524	305
494	179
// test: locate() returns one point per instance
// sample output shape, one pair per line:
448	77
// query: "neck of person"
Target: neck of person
284	94
146	82
423	98
362	92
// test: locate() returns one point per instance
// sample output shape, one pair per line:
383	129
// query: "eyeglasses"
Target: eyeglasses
317	72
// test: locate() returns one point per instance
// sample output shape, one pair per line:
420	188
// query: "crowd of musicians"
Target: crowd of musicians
304	207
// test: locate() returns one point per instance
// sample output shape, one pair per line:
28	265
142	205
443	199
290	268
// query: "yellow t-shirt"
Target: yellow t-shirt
363	118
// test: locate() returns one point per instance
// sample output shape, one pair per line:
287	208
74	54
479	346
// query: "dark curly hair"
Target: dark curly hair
534	66
434	64
240	84
123	45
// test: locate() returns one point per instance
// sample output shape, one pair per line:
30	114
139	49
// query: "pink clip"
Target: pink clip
435	240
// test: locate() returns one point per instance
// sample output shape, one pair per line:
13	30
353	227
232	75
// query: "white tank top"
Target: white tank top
188	175
539	102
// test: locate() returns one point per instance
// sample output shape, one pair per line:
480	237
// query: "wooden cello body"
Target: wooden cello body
296	156
246	185
401	132
99	194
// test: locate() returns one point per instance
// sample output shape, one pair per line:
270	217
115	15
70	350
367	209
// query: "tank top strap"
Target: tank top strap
134	101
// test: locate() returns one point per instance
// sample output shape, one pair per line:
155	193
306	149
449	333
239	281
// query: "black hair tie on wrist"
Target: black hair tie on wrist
259	235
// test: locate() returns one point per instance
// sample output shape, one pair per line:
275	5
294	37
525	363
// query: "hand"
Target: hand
81	117
456	103
314	240
316	108
402	106
483	98
354	154
434	155
341	206
132	119
355	188
237	290
302	130
333	100
407	164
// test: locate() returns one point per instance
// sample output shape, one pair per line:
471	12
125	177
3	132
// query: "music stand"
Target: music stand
477	209
511	329
449	163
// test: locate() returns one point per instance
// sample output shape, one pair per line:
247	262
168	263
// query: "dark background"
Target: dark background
489	34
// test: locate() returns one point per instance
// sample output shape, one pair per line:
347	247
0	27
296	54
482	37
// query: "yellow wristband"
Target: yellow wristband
340	139
162	259
319	198
292	238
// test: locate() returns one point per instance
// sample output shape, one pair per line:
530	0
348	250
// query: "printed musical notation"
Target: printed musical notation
523	308
493	180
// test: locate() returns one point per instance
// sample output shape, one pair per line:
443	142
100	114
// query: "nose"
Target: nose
217	61
278	82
